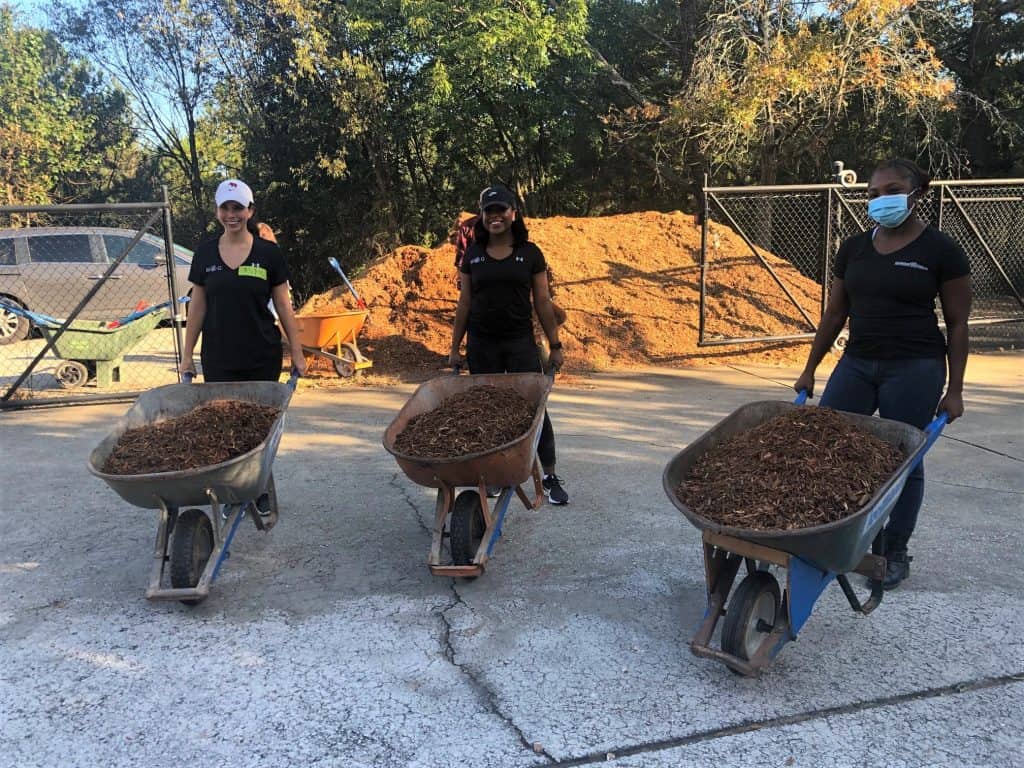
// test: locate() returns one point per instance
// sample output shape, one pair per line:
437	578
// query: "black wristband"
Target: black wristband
556	345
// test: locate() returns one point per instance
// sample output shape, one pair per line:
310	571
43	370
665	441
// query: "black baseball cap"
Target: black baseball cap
497	195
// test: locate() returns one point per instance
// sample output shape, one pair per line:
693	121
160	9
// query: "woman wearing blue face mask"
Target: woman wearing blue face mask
885	281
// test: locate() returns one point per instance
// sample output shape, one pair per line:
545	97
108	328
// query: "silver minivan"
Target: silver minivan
48	270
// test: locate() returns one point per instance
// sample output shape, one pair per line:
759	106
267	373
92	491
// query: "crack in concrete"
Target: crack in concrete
983	448
976	487
403	491
781	721
484	694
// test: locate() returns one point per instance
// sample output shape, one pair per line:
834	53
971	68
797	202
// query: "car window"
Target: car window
144	252
7	257
59	248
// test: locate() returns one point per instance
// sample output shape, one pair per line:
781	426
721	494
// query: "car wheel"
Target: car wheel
12	327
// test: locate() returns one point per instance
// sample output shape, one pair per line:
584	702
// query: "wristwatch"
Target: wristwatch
556	345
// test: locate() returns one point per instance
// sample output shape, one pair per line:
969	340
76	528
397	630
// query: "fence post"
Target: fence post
172	276
703	258
826	252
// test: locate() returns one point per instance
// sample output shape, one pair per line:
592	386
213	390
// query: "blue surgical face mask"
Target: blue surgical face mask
890	210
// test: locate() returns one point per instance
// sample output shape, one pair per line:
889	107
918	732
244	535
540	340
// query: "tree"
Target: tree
164	54
774	82
64	135
982	43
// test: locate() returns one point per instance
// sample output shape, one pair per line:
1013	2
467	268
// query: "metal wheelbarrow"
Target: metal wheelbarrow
332	335
467	520
89	349
192	543
759	618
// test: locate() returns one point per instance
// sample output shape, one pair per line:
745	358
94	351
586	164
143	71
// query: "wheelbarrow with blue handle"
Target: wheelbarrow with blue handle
759	617
467	519
200	509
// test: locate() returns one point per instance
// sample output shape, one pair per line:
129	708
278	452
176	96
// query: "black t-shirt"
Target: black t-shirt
502	290
239	331
892	296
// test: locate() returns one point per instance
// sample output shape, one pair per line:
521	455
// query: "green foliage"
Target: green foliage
63	132
367	123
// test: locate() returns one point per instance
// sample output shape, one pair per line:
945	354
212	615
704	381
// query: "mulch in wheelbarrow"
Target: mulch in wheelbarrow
808	467
477	420
214	432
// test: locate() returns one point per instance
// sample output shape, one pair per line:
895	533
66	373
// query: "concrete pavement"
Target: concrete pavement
328	642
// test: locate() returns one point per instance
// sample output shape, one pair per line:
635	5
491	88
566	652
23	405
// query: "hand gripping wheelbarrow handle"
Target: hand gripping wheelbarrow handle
293	381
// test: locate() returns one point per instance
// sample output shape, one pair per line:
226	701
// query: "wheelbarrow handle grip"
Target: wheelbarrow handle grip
293	379
801	398
934	427
187	377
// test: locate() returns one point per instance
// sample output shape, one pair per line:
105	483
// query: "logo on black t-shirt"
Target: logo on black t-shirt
911	264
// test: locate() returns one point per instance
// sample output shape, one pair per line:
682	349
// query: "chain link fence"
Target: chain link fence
794	232
90	303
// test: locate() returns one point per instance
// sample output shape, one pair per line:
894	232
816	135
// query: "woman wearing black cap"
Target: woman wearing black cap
502	272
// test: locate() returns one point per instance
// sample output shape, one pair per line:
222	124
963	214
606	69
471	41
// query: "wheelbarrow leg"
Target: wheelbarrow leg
445	498
538	488
493	522
160	556
872	566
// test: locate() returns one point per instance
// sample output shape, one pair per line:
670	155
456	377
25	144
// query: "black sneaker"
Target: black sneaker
554	491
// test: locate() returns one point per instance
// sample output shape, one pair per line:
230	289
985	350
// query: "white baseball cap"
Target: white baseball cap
234	190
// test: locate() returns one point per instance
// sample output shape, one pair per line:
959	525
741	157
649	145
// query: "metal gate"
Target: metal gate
90	302
792	233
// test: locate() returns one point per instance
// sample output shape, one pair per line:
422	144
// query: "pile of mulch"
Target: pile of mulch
629	284
477	420
808	467
214	432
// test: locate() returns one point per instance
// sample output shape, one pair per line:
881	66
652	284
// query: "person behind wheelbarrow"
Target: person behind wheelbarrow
885	281
502	271
235	276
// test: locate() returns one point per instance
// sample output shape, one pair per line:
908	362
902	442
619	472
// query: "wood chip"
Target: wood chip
214	432
807	467
477	420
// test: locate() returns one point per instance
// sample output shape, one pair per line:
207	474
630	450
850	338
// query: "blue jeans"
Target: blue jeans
906	390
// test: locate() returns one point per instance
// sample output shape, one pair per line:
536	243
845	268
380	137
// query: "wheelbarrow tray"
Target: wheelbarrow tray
235	481
91	340
325	329
506	465
837	547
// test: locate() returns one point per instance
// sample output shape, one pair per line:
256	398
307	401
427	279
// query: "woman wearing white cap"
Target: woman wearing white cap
234	278
501	272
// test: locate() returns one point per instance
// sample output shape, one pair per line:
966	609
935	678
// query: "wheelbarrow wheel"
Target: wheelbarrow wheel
750	614
346	367
71	374
467	527
190	550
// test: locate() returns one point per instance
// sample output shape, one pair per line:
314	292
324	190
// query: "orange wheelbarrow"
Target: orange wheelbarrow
332	335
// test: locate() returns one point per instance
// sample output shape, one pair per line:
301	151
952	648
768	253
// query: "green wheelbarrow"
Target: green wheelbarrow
89	349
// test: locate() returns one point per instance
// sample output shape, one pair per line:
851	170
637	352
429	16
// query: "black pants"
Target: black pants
486	355
269	371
